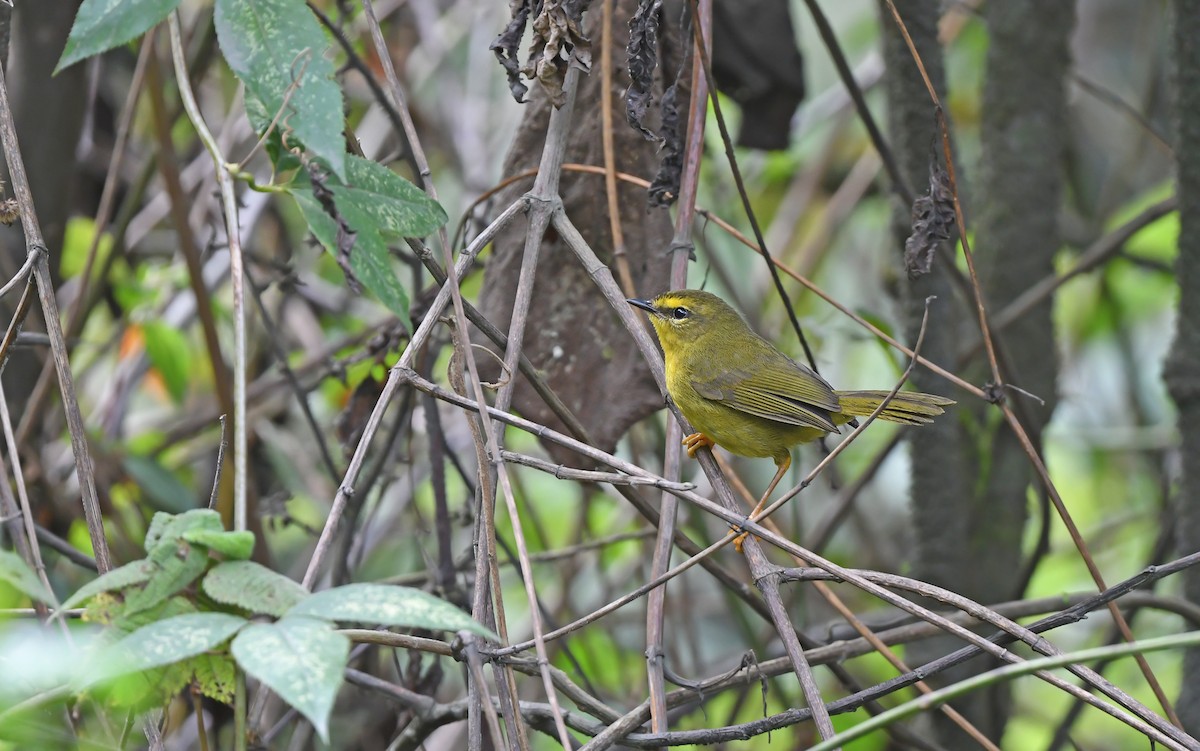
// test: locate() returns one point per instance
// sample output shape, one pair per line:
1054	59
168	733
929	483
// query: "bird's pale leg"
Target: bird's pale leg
783	465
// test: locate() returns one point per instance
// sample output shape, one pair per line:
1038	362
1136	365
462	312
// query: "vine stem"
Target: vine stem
236	268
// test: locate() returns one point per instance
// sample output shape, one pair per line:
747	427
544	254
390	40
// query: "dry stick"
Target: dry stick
236	270
1011	418
508	696
58	347
24	536
543	199
550	556
733	518
1179	641
847	649
586	475
758	563
606	141
681	252
14	456
222	444
487	569
475	665
21	275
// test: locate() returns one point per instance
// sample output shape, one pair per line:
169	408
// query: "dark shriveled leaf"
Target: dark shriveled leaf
932	222
558	43
643	59
664	190
505	46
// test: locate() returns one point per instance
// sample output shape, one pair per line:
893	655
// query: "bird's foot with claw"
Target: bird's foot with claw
697	441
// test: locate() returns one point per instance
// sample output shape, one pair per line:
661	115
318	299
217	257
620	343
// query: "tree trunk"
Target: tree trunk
1182	370
975	547
48	114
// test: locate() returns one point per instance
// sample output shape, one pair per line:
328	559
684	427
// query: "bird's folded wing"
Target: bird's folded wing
784	393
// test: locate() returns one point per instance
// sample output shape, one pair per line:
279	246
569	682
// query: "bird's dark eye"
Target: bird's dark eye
680	313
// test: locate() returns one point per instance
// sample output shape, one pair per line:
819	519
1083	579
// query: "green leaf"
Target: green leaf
277	49
77	241
236	545
387	605
215	676
174	639
368	260
298	658
278	151
161	487
177	565
103	24
398	208
132	667
125	621
377	204
134	572
16	572
171	527
169	353
372	264
253	587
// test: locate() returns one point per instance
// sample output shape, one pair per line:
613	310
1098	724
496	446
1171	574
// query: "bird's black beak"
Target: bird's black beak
645	305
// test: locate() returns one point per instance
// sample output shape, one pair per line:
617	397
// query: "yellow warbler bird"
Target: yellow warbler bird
743	394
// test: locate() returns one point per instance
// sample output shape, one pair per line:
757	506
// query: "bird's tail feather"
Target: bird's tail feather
907	407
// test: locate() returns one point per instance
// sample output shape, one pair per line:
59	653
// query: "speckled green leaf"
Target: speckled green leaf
378	205
398	208
253	587
369	259
103	24
171	527
16	572
235	545
173	639
387	605
134	572
177	566
300	659
162	643
276	46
